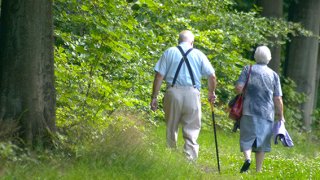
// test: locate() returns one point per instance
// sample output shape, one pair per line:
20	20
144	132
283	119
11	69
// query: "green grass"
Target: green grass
135	154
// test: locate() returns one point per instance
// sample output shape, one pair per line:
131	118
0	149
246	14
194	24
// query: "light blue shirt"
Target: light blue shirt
263	85
169	61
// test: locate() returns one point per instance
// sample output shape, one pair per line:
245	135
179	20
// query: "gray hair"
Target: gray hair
262	55
186	36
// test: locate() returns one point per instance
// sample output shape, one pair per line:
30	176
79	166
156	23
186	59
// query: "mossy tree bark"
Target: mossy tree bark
27	69
303	52
273	9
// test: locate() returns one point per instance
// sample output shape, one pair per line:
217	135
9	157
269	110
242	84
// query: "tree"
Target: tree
317	103
273	9
27	69
303	51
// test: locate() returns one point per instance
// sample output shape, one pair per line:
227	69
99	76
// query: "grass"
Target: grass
134	154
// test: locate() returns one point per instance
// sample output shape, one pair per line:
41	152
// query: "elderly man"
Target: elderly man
182	68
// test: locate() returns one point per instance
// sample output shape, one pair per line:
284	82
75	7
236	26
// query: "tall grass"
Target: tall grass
138	152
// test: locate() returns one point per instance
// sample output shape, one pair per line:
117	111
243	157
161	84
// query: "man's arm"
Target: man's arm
212	84
278	103
158	78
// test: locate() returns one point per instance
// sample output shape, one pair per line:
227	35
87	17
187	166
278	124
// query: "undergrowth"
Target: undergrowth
131	149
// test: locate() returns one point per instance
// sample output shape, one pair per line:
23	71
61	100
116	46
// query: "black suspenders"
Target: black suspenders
184	59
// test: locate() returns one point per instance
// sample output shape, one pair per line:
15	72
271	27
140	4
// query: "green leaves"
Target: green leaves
106	50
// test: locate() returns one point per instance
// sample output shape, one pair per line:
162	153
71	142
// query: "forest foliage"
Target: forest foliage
105	52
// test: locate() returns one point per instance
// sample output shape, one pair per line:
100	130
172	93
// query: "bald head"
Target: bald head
186	36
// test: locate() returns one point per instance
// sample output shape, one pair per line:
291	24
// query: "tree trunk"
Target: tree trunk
317	103
303	52
273	9
27	69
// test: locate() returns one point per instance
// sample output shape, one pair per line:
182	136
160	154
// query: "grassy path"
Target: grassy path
135	154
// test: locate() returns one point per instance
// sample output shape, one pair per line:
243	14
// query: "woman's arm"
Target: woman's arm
278	103
239	89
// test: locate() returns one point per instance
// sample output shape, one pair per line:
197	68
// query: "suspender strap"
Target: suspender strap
184	59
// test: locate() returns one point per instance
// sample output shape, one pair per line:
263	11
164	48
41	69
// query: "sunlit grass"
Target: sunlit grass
132	153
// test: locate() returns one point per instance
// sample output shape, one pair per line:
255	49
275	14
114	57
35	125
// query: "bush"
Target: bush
292	101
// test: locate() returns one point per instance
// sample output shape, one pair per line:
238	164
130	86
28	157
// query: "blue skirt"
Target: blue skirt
255	134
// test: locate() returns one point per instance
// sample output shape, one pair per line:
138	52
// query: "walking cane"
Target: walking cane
215	136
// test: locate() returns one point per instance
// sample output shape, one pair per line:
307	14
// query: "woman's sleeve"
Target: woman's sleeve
277	86
243	77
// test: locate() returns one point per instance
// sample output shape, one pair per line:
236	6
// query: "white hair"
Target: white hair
262	55
186	36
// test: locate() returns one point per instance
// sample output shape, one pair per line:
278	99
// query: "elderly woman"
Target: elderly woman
262	102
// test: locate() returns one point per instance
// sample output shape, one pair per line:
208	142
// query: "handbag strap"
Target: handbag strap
183	59
245	85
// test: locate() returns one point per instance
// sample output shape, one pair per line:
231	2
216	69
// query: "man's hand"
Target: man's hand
212	97
154	104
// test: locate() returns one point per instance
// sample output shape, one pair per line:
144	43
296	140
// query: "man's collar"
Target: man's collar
185	44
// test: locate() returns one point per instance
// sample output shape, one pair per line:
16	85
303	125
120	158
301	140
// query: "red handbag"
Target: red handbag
236	104
236	107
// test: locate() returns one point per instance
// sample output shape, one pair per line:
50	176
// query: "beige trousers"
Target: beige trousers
182	106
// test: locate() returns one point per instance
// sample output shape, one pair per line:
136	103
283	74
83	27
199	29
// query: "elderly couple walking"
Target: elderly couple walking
182	68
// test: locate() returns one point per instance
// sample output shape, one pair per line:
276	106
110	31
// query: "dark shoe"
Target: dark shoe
245	166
